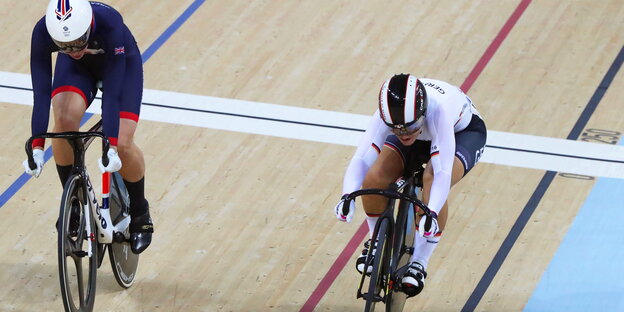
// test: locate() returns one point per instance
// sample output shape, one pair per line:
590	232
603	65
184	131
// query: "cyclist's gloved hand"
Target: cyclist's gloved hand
39	161
428	226
345	209
114	163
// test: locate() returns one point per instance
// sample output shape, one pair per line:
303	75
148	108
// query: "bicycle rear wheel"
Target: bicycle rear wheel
379	277
124	262
77	248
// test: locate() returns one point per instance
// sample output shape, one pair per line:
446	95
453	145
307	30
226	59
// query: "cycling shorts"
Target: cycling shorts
82	76
469	146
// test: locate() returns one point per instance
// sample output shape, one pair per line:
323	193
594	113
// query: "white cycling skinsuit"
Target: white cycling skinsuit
449	111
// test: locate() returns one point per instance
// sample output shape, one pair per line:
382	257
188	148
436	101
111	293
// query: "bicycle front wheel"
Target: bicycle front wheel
403	239
77	248
379	276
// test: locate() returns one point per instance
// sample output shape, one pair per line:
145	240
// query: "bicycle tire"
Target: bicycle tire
404	238
395	298
74	248
379	272
124	263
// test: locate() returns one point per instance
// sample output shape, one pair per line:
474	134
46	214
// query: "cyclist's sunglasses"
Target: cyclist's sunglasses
75	45
408	129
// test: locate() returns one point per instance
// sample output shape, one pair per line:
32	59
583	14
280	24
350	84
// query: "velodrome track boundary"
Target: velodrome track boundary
503	148
575	152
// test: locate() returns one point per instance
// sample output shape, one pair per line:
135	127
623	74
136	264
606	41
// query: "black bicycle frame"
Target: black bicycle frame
403	189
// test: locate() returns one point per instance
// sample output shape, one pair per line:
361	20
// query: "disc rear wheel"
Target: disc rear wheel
124	262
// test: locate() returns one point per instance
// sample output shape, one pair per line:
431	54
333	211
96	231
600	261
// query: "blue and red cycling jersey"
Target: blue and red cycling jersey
112	57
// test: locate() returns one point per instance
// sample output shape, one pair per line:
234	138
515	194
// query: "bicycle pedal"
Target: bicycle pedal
375	298
80	253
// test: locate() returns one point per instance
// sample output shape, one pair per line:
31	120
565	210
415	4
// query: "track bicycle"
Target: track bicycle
87	228
394	237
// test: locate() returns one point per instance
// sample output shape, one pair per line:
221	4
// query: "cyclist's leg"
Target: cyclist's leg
399	160
133	162
73	91
133	168
456	176
424	247
385	170
68	106
469	146
413	281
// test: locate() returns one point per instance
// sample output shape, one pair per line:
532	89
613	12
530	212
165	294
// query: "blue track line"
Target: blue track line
172	29
23	178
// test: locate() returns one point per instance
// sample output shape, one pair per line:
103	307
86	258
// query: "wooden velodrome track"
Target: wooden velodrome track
243	214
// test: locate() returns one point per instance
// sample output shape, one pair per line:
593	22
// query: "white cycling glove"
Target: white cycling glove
39	161
341	214
428	226
114	163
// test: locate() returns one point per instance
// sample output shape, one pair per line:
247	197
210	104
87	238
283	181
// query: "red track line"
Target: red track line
358	237
489	52
335	269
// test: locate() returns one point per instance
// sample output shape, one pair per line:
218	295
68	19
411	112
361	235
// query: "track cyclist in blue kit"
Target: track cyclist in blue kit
419	121
94	45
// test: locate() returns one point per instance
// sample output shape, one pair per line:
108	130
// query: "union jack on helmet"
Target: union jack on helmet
69	22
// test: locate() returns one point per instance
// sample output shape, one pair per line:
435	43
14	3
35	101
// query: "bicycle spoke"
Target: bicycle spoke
69	248
80	278
73	247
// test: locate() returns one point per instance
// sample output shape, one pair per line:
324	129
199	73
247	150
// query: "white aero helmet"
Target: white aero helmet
403	103
69	23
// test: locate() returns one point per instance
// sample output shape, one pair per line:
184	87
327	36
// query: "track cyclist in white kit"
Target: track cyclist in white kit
419	121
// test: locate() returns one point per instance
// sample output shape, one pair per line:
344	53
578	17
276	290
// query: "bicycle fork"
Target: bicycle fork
107	232
385	279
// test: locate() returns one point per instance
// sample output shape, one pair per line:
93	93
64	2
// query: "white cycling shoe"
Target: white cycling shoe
413	281
361	260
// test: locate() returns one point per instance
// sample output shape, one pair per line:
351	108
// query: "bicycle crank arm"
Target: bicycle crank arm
80	253
119	237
